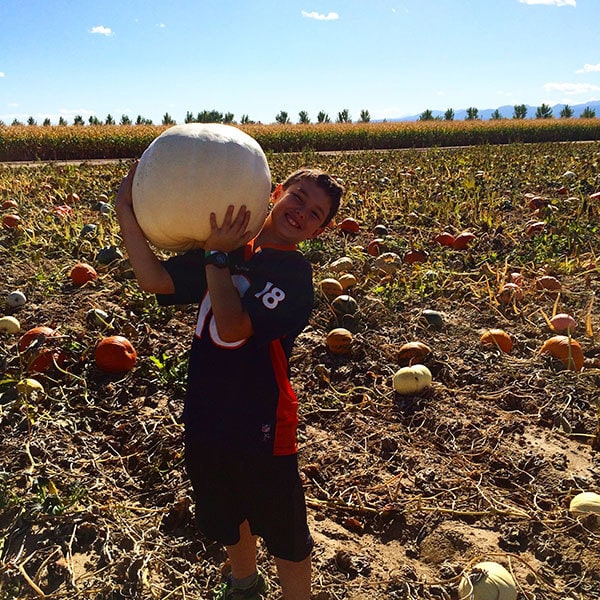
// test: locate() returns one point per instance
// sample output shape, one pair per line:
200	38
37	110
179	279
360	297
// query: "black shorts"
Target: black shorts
231	486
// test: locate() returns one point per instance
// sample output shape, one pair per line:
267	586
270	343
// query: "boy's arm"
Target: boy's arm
232	320
149	271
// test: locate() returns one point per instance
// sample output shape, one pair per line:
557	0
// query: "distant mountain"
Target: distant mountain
507	112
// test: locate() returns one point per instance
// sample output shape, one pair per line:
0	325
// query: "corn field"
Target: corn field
34	143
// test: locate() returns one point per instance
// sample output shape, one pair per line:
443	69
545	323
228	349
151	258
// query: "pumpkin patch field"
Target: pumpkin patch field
448	383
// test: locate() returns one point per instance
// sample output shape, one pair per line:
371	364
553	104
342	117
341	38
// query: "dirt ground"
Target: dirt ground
405	493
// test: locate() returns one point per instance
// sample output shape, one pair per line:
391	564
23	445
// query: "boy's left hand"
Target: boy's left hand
232	234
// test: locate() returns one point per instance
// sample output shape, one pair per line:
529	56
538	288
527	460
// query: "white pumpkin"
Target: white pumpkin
16	299
28	387
192	170
10	325
412	380
487	581
585	502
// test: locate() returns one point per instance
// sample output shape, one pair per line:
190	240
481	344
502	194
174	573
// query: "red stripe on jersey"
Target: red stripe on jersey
251	248
285	442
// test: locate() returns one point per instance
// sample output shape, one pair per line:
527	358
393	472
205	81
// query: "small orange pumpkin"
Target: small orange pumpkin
41	333
444	239
10	221
497	338
115	354
339	341
517	278
537	202
44	359
9	204
40	359
349	225
331	287
463	240
376	246
83	273
535	227
347	281
415	256
562	323
413	353
510	292
565	349
547	283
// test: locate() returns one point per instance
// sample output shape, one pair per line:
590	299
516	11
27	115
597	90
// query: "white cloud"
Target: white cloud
571	88
1	73
101	30
551	2
589	68
332	16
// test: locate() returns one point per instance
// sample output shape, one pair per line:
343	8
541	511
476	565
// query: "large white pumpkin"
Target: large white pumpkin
191	170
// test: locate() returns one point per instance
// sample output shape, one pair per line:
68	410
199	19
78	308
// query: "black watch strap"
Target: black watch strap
217	258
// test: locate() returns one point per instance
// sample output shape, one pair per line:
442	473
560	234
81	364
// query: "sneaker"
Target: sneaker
226	591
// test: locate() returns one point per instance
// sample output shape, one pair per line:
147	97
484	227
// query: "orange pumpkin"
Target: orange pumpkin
349	225
83	273
510	292
497	338
537	202
413	353
535	227
331	287
41	334
39	358
415	256
347	281
565	349
44	359
9	204
517	278
463	240
547	283
376	247
10	221
339	341
115	354
444	239
562	323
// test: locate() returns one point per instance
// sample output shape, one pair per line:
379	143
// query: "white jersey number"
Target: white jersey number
270	295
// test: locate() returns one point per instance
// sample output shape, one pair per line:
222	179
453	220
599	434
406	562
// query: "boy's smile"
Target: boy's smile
299	211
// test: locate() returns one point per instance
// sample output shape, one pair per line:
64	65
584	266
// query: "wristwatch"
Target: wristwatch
217	258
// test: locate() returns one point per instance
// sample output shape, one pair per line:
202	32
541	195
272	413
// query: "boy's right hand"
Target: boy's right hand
232	233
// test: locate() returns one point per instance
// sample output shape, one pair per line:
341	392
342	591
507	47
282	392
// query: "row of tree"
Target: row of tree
206	116
213	116
519	112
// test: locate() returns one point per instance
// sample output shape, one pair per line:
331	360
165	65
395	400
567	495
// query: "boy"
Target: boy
240	412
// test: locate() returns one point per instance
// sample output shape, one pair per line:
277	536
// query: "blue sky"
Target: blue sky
259	57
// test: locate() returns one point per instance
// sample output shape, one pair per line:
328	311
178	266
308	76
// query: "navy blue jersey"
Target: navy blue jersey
238	393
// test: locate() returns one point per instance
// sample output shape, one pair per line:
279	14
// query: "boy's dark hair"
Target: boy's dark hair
325	181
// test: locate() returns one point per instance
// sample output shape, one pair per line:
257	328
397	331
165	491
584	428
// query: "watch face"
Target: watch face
219	259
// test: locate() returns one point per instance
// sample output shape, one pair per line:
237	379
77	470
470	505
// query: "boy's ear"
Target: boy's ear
277	192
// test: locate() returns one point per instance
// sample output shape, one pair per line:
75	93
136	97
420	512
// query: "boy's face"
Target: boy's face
299	211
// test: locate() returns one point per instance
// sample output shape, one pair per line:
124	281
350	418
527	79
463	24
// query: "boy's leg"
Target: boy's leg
294	578
243	554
